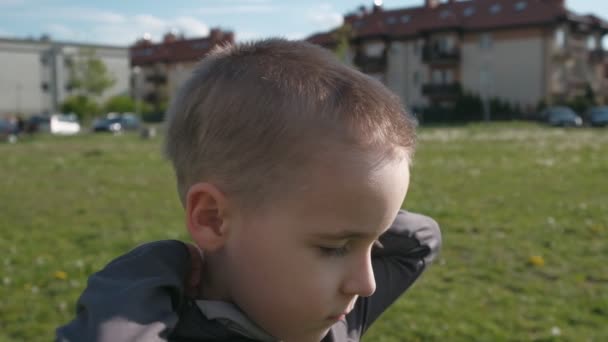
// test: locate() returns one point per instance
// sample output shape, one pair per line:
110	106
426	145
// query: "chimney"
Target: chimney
215	34
229	37
431	3
377	6
169	37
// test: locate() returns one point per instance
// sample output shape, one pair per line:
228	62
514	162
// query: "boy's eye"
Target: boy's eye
333	251
343	250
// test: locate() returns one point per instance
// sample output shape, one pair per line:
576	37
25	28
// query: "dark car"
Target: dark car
598	116
117	123
8	131
562	116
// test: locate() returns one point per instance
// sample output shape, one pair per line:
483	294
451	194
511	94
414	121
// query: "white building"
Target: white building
34	74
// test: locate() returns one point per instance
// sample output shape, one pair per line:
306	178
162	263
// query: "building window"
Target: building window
45	86
485	41
484	78
391	20
200	45
67	61
560	38
405	19
438	77
444	14
591	43
416	78
469	11
417	48
446	43
44	60
520	6
449	76
495	8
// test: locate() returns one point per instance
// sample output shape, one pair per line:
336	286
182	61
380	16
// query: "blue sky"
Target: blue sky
121	22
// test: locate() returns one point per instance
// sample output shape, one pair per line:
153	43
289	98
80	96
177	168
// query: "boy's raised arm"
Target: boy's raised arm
134	298
408	247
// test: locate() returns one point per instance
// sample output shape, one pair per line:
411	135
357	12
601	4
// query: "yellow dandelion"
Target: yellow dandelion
61	275
536	260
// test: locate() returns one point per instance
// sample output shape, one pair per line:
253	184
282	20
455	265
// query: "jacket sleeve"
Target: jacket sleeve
408	247
134	298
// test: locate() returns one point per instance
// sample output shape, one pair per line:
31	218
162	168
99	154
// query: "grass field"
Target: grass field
523	208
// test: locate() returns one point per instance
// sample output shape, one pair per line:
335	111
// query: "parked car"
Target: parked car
561	116
598	116
61	124
8	131
116	123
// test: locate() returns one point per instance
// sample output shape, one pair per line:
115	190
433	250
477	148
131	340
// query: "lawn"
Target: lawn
523	209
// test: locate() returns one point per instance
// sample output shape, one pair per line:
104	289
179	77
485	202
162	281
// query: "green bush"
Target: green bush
125	104
81	105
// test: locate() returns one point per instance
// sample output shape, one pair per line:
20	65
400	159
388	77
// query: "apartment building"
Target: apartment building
522	51
35	75
159	68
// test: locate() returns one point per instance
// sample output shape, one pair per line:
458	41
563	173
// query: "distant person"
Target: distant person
20	124
292	169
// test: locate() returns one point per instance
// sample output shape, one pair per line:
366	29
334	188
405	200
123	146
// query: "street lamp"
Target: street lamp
136	72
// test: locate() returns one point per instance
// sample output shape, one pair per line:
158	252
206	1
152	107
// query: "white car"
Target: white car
60	124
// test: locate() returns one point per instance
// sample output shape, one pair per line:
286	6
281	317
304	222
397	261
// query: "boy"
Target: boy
292	169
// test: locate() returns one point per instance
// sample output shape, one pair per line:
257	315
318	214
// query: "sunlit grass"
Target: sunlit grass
524	212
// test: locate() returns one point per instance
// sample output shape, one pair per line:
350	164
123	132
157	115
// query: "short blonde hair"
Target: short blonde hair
253	115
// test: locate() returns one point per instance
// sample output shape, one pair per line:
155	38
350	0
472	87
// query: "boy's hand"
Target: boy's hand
193	279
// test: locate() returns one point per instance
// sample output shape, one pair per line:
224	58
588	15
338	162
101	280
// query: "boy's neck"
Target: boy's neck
213	285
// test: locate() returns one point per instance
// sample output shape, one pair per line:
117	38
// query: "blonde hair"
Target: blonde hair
253	115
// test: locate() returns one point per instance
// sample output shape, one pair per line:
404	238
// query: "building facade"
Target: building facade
520	51
35	74
160	68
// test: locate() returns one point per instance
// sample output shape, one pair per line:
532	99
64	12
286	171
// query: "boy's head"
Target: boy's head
289	165
254	116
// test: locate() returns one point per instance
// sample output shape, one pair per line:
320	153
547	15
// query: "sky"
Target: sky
122	22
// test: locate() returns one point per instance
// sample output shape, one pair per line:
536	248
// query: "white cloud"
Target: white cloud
134	28
325	16
61	31
248	35
192	26
295	35
81	14
5	33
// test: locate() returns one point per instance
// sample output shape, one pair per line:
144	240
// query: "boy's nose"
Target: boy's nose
360	280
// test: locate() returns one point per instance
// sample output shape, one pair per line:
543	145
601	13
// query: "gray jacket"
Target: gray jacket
140	296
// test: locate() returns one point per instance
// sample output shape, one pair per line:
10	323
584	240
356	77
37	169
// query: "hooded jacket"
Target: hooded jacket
141	295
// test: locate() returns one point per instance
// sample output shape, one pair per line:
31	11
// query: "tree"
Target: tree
81	105
88	74
342	35
125	104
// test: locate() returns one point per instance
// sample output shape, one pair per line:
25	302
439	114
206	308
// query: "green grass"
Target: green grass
502	193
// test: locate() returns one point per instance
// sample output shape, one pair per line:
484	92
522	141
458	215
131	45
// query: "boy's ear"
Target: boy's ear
205	216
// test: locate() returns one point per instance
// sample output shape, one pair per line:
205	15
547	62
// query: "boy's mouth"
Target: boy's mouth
339	316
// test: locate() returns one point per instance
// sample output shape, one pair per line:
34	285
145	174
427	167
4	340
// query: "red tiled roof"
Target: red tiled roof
176	51
463	15
325	39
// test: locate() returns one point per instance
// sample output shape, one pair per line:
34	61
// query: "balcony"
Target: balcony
157	79
596	56
434	55
371	64
443	91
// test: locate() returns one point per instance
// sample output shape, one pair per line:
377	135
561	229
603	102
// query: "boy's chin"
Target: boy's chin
315	336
